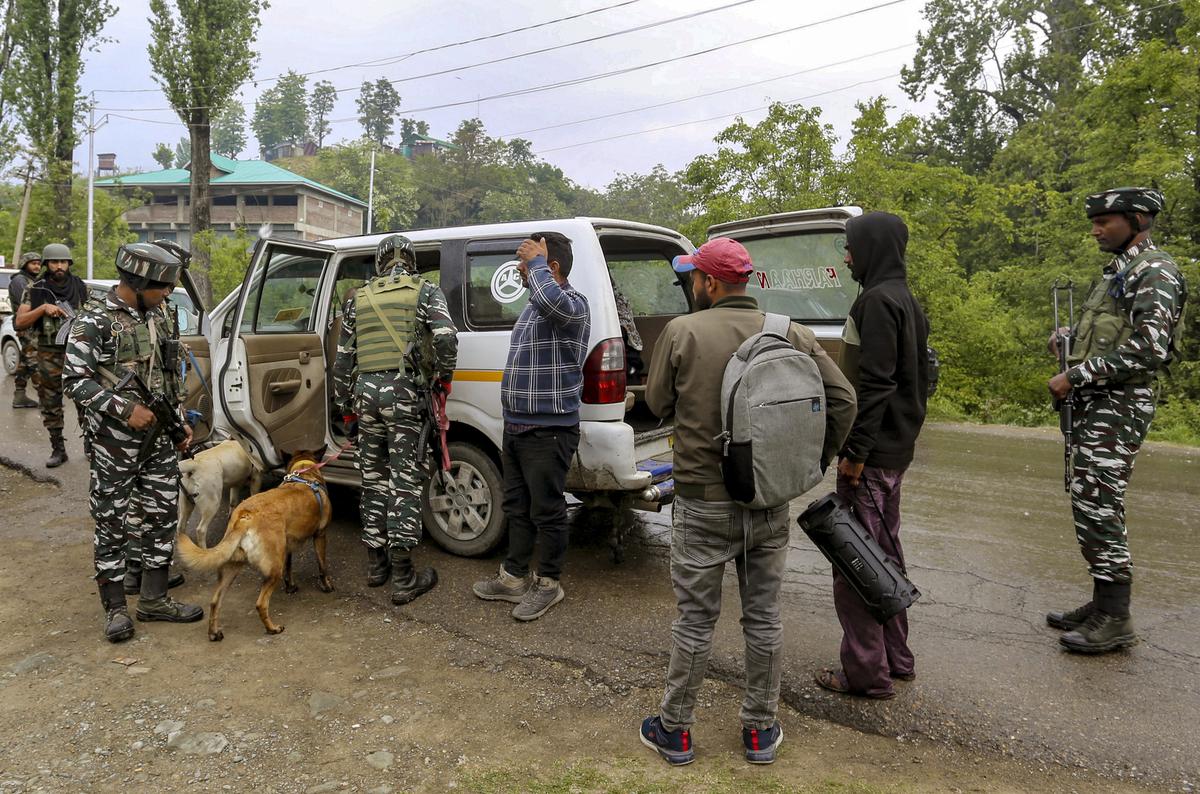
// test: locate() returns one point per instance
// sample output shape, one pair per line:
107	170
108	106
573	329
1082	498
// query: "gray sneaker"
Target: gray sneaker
503	587
543	594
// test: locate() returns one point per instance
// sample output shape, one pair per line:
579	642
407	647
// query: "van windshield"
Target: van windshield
802	275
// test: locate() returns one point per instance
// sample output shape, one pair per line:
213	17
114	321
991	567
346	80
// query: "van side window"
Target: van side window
495	294
284	300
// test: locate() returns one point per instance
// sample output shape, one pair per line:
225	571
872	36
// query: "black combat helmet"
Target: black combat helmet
143	263
392	248
1124	200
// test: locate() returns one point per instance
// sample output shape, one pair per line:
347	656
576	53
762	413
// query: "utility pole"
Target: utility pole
91	204
371	196
24	215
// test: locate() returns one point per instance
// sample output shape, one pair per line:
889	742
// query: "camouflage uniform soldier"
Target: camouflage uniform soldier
31	265
130	332
376	385
47	307
1124	337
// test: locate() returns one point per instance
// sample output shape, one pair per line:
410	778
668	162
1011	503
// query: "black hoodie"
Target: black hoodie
892	369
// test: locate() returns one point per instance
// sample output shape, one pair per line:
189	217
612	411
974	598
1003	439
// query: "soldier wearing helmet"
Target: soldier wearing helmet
397	338
31	268
1125	336
46	310
131	492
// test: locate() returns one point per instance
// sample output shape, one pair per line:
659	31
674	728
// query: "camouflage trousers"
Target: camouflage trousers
49	386
389	426
131	500
1108	430
27	363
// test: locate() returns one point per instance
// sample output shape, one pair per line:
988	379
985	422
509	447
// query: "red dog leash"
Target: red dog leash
323	463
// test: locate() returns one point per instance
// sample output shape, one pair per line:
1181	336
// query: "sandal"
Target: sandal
836	682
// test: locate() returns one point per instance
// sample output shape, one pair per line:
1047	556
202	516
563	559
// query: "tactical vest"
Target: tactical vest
386	317
155	360
1104	325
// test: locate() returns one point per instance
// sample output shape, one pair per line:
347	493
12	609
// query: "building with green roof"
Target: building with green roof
246	194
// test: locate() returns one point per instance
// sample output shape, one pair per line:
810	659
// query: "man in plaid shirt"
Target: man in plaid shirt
540	394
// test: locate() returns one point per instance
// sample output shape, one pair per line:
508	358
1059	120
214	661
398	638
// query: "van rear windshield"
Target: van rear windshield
802	275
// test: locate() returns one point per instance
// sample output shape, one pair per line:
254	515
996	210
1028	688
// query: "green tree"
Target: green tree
281	113
320	105
377	105
183	152
347	167
229	129
784	162
164	155
201	53
49	38
411	129
659	197
228	256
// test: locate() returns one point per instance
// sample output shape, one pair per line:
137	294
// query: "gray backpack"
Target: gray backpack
772	419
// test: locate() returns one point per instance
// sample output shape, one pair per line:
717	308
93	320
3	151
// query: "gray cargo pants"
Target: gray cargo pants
705	536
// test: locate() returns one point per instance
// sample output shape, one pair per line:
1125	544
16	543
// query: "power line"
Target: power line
708	94
404	56
716	118
577	42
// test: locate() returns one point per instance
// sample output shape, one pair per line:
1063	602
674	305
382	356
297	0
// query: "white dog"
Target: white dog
205	479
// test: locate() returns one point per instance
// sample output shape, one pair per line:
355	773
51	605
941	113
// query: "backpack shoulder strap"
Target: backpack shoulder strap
776	324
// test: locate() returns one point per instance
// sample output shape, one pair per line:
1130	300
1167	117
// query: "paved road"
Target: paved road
988	537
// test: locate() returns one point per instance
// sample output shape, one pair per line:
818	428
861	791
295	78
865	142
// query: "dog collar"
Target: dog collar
312	484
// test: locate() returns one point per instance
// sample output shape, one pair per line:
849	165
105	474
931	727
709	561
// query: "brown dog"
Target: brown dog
263	531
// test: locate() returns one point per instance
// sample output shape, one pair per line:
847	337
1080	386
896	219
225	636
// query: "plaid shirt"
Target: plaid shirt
543	378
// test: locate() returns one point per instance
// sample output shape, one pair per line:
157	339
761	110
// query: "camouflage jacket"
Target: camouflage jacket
103	336
433	317
1154	294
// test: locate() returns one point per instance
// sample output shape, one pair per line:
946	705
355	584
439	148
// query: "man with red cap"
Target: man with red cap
709	529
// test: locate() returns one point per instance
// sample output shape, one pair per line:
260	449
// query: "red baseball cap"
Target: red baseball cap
722	258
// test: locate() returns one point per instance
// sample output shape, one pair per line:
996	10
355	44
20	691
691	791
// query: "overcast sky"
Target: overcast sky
307	36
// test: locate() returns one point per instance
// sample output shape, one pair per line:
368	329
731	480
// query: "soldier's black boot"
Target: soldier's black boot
1069	621
1109	627
155	604
379	566
117	625
21	400
133	578
58	452
409	584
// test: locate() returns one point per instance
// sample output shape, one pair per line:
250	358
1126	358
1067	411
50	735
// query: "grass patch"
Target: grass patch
632	777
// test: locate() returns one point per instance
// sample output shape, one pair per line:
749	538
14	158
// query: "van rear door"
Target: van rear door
272	382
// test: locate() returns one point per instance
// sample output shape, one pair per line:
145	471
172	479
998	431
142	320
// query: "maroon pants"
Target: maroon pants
871	653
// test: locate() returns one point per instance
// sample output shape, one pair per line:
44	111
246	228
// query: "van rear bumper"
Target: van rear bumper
607	460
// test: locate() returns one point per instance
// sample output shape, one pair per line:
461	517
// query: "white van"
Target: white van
267	354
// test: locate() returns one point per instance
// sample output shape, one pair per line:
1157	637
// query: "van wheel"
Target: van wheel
12	356
465	519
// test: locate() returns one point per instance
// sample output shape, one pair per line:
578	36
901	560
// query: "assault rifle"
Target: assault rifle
434	423
1063	343
166	418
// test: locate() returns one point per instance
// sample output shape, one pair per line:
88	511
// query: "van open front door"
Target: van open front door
272	382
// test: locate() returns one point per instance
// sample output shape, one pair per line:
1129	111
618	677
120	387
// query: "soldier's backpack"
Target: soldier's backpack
772	419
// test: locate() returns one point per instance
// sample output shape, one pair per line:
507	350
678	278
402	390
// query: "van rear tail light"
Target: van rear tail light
604	373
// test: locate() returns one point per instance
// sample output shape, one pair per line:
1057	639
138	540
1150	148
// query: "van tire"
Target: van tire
485	485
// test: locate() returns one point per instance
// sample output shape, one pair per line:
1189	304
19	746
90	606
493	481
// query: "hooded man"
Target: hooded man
31	267
888	362
48	306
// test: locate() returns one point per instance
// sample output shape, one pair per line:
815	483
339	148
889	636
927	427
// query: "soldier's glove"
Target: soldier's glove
350	425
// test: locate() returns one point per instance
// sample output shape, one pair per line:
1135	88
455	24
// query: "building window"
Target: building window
286	201
167	199
255	201
224	201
